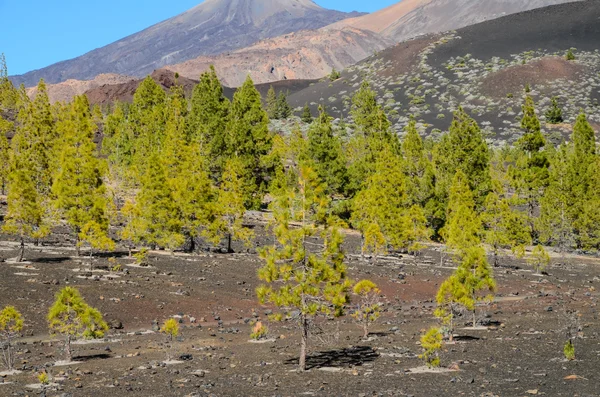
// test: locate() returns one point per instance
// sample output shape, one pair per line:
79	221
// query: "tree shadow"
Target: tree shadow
59	259
380	334
348	357
99	356
465	338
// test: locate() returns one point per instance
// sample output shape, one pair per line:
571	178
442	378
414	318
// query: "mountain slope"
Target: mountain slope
483	68
303	55
411	18
213	27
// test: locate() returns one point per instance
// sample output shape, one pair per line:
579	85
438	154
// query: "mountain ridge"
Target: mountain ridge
235	24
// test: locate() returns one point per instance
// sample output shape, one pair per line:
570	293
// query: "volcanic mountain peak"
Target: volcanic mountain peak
212	27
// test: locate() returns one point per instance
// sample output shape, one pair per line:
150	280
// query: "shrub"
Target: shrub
259	331
569	350
570	55
141	258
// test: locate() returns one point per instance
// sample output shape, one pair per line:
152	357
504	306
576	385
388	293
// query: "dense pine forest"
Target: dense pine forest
165	172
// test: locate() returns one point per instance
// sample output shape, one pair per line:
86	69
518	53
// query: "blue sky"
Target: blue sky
36	33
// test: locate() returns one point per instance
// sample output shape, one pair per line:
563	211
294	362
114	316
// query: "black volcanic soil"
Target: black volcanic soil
519	354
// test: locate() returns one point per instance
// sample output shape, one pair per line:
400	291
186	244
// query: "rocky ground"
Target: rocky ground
517	353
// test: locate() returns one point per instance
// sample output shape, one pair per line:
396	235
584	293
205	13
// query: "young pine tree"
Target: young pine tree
325	151
11	324
70	316
79	191
378	208
284	111
463	149
463	228
418	170
296	277
556	222
306	114
530	173
249	140
25	213
229	210
5	127
505	227
207	120
368	308
554	114
271	104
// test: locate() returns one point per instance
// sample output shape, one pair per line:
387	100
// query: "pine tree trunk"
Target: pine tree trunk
362	247
68	348
229	250
21	250
474	319
365	330
304	342
192	244
130	254
77	247
452	327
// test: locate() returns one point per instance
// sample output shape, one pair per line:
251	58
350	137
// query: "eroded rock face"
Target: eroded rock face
213	27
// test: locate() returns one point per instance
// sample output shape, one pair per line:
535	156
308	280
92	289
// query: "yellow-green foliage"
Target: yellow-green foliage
170	328
70	315
259	331
229	207
43	378
368	307
431	343
11	321
539	258
569	350
141	257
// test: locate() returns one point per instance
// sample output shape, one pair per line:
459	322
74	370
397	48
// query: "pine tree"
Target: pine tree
284	111
8	94
368	308
581	156
420	176
461	149
556	222
79	188
147	121
306	114
11	324
272	108
229	210
296	277
554	114
325	151
207	120
463	227
249	140
37	136
530	173
378	208
371	121
588	223
24	215
505	227
71	316
155	218
5	127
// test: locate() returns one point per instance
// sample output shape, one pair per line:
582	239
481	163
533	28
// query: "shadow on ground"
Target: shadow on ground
349	357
